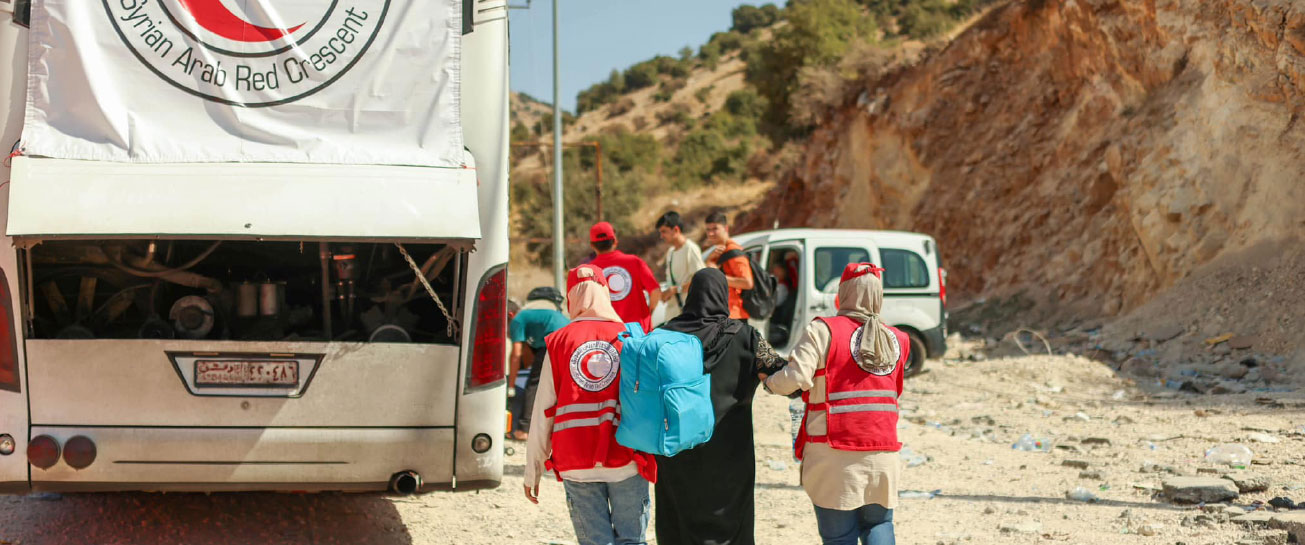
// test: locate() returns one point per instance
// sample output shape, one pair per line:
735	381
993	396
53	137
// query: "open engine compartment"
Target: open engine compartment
242	290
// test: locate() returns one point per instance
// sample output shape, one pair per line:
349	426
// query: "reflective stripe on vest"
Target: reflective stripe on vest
584	422
584	407
863	393
865	408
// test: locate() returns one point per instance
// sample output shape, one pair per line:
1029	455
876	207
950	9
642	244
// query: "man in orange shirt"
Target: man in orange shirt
738	272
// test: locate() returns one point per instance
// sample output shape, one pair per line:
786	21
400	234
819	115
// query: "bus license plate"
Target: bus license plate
246	373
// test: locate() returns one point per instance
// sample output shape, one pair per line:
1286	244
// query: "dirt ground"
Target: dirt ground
962	415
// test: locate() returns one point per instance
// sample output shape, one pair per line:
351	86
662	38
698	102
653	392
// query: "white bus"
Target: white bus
216	336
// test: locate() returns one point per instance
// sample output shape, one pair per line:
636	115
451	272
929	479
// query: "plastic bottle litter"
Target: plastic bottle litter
912	458
1237	456
1081	494
1028	443
918	495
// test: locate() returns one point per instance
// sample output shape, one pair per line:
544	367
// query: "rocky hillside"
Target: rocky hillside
1088	152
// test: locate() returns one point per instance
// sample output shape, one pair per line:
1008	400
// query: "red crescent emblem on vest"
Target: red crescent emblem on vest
214	16
594	365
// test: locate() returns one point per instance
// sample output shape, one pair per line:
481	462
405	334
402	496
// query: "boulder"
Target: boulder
1249	482
1293	523
1199	489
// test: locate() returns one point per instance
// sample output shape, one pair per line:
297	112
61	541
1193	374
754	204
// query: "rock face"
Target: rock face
1091	151
1199	489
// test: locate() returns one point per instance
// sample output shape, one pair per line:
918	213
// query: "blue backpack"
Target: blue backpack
665	397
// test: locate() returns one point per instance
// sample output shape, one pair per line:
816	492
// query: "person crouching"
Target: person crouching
573	428
850	368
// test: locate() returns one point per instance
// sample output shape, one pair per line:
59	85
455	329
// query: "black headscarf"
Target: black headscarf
706	315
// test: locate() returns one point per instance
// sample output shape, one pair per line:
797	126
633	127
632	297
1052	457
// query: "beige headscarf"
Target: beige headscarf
861	298
588	297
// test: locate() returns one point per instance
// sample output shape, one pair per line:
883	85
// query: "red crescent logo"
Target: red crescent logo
584	366
216	18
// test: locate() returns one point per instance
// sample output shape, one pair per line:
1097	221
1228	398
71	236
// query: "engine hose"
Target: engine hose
165	272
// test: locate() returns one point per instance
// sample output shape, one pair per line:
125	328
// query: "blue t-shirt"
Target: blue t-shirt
532	325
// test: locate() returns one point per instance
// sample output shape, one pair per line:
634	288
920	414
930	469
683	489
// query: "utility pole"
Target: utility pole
559	237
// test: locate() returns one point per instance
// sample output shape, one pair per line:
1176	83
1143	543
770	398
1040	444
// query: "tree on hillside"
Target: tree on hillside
818	33
747	18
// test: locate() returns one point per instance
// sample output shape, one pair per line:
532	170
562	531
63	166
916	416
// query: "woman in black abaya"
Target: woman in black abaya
704	495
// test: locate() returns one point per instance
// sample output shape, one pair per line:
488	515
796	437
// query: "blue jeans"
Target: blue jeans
609	513
871	524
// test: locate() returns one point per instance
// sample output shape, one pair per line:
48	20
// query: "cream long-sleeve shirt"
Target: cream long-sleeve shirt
539	445
681	264
833	479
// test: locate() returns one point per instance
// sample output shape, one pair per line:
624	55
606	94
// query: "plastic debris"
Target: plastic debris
918	495
1081	494
1028	443
912	458
776	465
1259	437
1237	456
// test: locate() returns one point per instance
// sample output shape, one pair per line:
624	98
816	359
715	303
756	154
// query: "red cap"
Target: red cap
602	231
574	278
855	270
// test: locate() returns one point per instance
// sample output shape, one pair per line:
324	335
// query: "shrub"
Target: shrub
703	94
677	114
668	88
747	18
727	41
621	107
641	75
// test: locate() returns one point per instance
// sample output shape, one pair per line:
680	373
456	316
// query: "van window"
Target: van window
904	269
830	263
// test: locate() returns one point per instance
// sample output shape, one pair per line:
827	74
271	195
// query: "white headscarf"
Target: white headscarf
861	298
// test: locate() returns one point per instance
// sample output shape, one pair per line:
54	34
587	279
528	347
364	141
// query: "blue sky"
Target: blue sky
599	35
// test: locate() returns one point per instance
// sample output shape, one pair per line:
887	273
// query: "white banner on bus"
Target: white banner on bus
296	81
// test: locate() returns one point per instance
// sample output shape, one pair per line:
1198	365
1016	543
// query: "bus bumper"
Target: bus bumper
248	459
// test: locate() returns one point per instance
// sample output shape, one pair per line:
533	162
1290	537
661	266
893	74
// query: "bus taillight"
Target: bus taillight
8	343
489	331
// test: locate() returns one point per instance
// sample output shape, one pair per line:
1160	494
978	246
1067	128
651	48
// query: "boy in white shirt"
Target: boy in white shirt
682	260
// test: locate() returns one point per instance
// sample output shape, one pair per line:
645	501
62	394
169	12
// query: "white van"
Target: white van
809	262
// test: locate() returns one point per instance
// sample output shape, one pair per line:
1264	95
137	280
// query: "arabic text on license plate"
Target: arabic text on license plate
246	373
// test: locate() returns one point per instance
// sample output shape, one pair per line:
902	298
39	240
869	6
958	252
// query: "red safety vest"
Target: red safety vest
860	407
586	365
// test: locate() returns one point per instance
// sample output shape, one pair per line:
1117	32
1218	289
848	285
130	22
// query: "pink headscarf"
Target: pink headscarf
587	295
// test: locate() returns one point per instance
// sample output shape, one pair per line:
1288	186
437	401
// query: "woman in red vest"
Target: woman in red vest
573	428
850	369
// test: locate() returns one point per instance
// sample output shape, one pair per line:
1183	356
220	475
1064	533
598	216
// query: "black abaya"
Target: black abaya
705	495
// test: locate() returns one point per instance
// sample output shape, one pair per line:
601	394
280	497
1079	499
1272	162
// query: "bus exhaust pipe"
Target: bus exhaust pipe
405	483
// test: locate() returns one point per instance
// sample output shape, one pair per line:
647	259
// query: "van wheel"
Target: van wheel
918	354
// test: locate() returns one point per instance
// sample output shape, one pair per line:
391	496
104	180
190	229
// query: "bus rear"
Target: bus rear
256	326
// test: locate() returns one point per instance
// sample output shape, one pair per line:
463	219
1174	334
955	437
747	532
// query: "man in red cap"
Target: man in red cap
630	279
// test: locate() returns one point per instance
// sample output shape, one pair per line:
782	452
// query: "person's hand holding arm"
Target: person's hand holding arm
800	373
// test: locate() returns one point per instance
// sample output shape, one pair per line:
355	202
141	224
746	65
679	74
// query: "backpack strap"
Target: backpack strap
632	330
732	254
